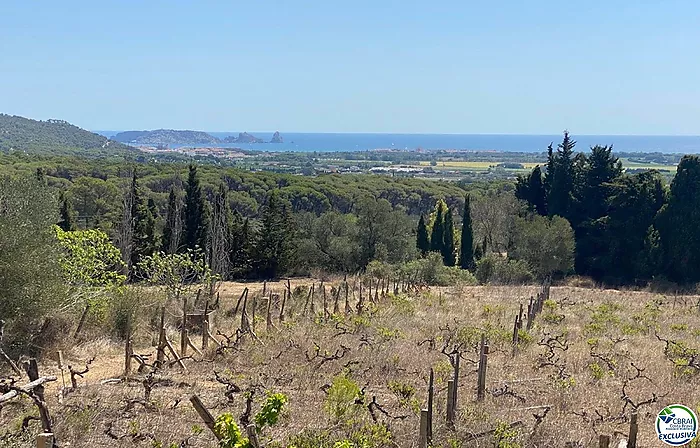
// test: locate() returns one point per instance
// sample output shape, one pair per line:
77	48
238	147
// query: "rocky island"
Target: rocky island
277	138
243	137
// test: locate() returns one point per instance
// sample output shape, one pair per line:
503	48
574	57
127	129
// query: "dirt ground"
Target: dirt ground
591	358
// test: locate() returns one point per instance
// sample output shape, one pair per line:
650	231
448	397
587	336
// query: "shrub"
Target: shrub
340	403
496	269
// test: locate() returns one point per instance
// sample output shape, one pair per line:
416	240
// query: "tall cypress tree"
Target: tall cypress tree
466	247
274	251
422	239
67	214
196	222
560	178
437	236
143	222
172	230
448	245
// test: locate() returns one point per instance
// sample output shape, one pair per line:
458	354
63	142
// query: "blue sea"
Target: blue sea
320	142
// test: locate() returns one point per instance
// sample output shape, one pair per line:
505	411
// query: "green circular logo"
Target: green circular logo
676	425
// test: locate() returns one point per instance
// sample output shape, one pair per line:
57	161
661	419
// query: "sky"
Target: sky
451	66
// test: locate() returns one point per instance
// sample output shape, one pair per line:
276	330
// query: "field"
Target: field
591	358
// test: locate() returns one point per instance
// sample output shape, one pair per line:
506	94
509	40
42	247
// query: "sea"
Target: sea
329	142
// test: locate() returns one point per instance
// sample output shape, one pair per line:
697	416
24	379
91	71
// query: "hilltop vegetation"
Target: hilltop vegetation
53	137
166	137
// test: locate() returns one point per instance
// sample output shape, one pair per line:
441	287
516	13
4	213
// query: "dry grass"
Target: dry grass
386	347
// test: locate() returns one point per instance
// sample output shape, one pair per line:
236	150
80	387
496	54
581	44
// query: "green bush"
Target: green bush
498	270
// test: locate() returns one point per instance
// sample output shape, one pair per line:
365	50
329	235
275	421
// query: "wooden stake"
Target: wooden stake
252	436
431	392
450	403
175	355
128	352
160	356
481	379
268	318
196	350
252	320
284	303
632	442
83	317
204	414
183	330
32	369
45	440
604	441
238	304
423	434
205	326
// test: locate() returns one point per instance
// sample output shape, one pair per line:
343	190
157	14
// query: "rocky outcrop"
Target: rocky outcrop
243	137
277	138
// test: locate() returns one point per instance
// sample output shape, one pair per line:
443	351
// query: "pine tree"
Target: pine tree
172	230
437	236
67	214
422	239
196	221
448	245
274	251
466	248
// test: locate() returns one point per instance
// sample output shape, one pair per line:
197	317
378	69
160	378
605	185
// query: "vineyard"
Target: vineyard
350	363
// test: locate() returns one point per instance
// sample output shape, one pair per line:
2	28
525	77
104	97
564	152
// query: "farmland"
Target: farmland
591	358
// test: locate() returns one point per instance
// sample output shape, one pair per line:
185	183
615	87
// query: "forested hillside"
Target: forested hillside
53	137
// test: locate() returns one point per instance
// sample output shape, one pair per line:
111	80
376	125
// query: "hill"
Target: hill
167	137
53	137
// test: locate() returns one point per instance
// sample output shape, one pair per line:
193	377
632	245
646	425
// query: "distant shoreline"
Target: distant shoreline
339	142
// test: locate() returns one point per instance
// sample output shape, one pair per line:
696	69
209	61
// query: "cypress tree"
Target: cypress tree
67	214
143	241
196	220
172	230
274	250
466	248
560	178
448	245
437	236
422	239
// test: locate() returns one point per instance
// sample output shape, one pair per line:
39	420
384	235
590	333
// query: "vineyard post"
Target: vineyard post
632	442
604	441
45	440
252	436
161	337
481	378
450	403
81	324
431	394
183	331
128	350
205	326
423	434
204	414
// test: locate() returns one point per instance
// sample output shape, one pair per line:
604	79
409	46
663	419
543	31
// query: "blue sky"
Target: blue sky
533	67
